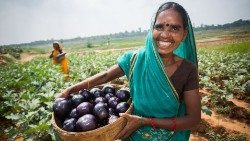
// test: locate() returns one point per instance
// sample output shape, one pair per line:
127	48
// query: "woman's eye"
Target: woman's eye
175	28
159	27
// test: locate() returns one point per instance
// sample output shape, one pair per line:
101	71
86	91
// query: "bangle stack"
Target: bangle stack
153	123
174	124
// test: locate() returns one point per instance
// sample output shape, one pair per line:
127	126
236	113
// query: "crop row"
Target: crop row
14	51
226	75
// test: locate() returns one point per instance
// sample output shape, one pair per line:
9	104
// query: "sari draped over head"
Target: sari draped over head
152	93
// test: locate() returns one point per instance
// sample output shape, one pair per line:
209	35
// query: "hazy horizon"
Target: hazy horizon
24	21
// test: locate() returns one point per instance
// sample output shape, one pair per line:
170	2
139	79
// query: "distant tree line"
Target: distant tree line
238	23
133	33
124	34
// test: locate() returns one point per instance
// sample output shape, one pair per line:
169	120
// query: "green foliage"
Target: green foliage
224	109
89	45
28	91
213	136
90	63
242	48
206	110
246	86
224	74
14	51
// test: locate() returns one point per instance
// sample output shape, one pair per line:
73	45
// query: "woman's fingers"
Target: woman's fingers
122	133
124	130
123	115
127	134
131	126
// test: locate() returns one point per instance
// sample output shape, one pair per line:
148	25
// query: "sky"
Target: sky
23	21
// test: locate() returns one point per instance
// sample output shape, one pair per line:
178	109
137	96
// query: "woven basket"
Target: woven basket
105	133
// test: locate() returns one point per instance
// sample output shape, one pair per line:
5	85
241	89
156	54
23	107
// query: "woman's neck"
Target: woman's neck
168	59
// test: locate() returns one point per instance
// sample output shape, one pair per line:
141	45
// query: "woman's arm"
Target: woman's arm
51	55
100	78
192	117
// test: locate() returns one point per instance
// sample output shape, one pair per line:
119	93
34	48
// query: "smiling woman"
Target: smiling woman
163	80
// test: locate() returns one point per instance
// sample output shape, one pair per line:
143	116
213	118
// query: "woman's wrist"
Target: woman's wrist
155	123
144	121
149	122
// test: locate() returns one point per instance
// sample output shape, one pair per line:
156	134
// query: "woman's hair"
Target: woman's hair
56	43
176	7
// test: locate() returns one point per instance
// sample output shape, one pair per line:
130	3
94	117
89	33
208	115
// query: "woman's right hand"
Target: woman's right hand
133	122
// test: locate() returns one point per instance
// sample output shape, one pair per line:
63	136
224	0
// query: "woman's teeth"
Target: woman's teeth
164	44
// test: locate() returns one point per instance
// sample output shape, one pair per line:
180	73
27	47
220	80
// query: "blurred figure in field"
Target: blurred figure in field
59	58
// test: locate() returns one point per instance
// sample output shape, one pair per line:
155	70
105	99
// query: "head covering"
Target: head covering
59	45
187	48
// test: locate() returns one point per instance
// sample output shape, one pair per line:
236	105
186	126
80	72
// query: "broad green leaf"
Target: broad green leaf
206	110
13	116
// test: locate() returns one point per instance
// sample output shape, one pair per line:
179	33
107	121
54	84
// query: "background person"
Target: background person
59	58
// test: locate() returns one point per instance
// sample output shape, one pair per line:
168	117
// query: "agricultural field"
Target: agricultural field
30	82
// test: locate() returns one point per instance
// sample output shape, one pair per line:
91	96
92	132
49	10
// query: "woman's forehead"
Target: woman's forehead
169	16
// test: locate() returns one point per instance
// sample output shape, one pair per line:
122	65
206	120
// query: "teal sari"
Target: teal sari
152	93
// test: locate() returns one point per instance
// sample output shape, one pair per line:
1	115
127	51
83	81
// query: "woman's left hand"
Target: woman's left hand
133	123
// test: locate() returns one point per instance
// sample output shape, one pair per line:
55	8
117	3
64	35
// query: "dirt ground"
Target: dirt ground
231	125
220	40
25	57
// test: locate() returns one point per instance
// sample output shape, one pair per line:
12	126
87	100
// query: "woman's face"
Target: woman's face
168	31
55	46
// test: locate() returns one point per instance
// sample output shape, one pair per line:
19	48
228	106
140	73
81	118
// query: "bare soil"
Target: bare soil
25	57
240	103
4	123
219	120
221	40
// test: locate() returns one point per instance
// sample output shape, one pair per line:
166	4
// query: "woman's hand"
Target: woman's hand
133	123
51	55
